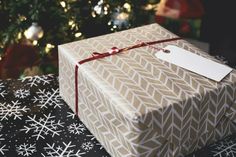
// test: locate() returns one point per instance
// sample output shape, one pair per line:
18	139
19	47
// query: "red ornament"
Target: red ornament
180	9
16	58
185	27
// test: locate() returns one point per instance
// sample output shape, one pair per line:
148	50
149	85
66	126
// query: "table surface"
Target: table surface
35	121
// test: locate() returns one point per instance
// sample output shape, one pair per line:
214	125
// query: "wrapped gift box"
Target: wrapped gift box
138	105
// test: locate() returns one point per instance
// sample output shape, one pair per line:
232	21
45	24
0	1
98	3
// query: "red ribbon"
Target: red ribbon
113	51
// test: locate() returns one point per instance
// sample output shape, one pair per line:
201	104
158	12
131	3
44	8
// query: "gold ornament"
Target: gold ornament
123	16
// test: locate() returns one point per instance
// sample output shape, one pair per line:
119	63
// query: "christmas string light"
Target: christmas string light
127	6
93	14
100	9
49	47
19	35
22	18
35	42
106	9
78	34
63	4
150	7
71	22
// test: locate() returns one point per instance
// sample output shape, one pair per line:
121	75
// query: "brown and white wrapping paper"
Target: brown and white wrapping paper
138	105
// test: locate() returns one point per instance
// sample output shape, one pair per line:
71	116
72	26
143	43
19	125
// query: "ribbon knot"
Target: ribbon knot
113	50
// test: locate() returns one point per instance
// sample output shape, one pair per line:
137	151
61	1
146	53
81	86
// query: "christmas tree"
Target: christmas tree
61	21
44	24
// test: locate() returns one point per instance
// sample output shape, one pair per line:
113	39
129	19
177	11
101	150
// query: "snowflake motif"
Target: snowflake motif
47	98
3	149
100	146
1	126
65	151
226	148
71	114
91	137
22	93
2	92
1	85
76	129
26	149
1	138
43	126
37	80
87	146
9	110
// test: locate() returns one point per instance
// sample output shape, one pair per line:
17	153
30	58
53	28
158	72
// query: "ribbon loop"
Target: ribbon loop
95	54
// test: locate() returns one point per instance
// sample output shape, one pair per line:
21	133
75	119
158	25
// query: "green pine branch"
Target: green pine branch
61	20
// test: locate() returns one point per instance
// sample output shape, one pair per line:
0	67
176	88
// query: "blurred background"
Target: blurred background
30	30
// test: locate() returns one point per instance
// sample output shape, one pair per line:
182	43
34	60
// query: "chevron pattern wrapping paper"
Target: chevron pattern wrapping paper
137	105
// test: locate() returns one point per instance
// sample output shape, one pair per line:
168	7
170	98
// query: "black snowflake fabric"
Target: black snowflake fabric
36	122
222	148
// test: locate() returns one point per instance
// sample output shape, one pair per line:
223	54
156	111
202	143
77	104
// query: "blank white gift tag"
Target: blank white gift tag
194	63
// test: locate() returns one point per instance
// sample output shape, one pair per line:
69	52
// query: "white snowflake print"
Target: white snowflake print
91	137
22	93
1	126
9	110
47	98
71	114
226	148
3	149
37	80
75	128
100	146
2	92
43	126
87	146
62	151
1	138
1	85
26	149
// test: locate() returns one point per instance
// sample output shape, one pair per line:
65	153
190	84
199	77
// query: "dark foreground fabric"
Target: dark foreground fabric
35	121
